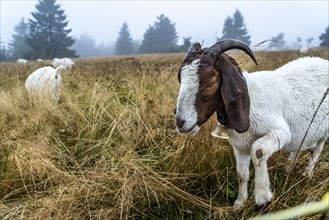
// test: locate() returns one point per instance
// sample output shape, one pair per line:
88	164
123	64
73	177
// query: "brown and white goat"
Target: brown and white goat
263	112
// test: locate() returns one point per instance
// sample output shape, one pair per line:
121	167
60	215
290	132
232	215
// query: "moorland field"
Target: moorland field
109	149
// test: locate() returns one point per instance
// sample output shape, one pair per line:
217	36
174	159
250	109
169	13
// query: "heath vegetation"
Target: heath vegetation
109	149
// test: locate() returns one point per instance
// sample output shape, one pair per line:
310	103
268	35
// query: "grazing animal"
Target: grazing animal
263	112
66	62
22	61
45	81
303	50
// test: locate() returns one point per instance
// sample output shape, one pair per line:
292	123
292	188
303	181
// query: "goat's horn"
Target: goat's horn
194	48
225	45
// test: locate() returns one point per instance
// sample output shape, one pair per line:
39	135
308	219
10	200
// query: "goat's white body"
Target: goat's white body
303	50
291	93
45	81
22	61
282	105
66	62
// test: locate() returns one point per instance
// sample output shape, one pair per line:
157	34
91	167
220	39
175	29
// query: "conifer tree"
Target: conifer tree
186	44
124	44
309	41
325	38
18	46
3	52
85	46
160	37
240	27
228	30
278	42
235	28
48	37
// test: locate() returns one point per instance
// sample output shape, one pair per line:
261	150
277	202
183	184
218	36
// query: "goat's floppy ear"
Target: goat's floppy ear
235	95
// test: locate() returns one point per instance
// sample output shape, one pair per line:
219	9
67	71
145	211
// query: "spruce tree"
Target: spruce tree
309	41
228	29
160	37
124	44
85	46
18	46
48	36
325	38
186	44
235	28
3	52
149	43
278	42
240	27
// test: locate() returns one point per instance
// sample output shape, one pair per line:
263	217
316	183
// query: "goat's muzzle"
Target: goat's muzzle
182	129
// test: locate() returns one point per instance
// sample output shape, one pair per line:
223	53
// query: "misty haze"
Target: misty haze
105	28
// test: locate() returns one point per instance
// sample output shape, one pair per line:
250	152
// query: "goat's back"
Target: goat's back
41	79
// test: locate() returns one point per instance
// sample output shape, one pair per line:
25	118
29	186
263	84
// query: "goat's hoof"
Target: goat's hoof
238	204
263	197
263	207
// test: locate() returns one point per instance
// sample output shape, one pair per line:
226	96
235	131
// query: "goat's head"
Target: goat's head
212	81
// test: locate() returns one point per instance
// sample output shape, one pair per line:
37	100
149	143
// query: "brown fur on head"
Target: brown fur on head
221	89
235	94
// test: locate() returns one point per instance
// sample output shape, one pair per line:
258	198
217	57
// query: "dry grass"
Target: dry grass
109	150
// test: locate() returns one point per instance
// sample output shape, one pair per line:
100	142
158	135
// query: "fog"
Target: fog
201	20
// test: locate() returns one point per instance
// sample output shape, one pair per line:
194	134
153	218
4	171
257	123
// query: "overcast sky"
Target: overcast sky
202	20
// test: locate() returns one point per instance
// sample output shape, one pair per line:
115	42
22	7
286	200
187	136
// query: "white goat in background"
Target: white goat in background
22	61
263	112
45	81
66	62
303	50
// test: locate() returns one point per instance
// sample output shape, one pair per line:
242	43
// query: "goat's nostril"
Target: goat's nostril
175	111
179	122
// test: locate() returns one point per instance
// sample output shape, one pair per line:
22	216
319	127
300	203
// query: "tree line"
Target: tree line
45	36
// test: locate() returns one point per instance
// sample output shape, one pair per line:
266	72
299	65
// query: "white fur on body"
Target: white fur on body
45	81
303	50
282	104
22	61
66	62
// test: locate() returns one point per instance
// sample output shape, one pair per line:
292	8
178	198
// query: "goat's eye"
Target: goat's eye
208	89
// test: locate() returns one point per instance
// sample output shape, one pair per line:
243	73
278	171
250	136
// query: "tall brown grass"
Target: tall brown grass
109	149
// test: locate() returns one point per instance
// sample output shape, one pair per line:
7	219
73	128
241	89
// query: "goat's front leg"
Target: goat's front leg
242	168
261	150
